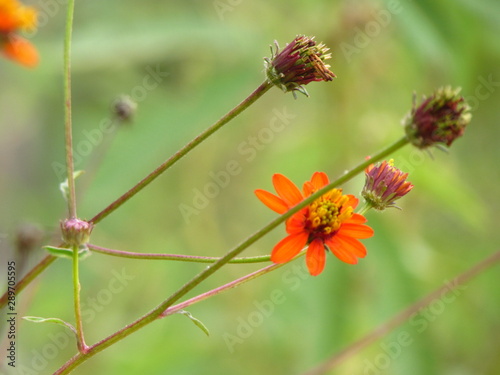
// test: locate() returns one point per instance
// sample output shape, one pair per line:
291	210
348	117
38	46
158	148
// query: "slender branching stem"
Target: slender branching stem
67	112
261	90
404	316
29	277
223	288
175	257
82	347
190	285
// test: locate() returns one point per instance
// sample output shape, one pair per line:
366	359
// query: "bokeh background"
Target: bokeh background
208	56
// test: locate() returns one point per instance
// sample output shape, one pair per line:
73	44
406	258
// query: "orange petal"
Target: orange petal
308	188
352	202
21	51
352	245
356	219
287	190
272	201
319	180
288	247
338	248
355	230
296	223
316	257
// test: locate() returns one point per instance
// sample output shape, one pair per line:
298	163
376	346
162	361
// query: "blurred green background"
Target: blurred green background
210	55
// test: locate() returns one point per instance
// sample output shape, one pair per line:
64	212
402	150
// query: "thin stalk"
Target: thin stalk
404	315
186	288
175	257
82	347
67	111
264	87
261	90
223	288
29	277
366	207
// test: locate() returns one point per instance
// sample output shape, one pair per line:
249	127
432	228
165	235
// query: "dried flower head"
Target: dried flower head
439	120
124	108
384	185
14	17
28	237
300	62
76	232
328	223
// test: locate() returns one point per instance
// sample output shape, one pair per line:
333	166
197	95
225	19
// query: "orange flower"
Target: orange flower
328	223
14	16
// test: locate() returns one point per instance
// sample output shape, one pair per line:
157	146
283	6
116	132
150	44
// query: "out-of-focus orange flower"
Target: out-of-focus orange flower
329	223
14	17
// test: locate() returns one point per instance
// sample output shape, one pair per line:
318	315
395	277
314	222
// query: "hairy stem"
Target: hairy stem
223	288
404	315
82	347
67	112
261	90
177	257
190	285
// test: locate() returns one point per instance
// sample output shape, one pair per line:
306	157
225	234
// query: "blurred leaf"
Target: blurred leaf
64	187
197	322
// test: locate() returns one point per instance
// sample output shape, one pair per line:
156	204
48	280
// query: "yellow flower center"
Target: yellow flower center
327	213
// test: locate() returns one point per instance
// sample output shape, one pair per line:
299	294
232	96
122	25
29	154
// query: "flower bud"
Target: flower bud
299	63
76	232
124	108
440	119
384	185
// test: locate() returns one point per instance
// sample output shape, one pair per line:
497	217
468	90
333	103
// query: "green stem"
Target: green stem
261	90
404	315
366	207
29	277
186	288
67	112
113	206
82	347
177	257
223	288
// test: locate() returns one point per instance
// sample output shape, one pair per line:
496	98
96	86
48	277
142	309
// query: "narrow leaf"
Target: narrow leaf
83	252
59	252
64	186
197	322
36	319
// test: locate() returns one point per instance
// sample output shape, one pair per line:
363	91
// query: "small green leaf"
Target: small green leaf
59	252
64	186
197	322
83	252
36	319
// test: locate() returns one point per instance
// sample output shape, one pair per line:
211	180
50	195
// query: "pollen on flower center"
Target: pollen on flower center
326	215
